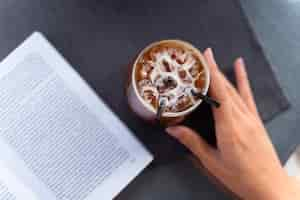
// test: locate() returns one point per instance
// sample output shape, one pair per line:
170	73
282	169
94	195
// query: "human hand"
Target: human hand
245	161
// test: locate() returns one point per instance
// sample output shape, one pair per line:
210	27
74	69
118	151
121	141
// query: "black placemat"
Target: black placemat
100	38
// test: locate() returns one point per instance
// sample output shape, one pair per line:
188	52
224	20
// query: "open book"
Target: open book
58	140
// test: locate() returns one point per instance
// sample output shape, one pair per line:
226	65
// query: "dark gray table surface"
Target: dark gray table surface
275	22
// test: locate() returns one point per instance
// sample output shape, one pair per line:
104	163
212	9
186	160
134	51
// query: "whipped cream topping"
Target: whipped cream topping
171	75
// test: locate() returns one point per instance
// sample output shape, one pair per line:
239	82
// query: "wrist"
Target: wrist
284	188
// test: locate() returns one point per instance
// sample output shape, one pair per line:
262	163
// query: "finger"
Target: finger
236	99
237	102
193	142
243	85
217	89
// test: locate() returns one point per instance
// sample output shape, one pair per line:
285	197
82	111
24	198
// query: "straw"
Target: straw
207	99
161	108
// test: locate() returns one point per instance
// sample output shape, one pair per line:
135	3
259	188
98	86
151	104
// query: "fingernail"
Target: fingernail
240	60
173	131
208	51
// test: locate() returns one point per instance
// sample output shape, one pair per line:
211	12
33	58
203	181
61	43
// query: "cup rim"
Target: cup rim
203	62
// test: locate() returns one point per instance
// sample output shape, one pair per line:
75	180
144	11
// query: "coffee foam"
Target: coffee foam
178	68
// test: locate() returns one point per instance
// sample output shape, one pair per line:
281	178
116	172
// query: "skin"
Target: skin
245	161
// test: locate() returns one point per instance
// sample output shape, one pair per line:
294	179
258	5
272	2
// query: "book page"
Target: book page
11	188
56	134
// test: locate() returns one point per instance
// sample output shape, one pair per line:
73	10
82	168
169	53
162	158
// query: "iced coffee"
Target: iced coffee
169	73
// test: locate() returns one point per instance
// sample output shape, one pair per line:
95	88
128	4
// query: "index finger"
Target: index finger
217	88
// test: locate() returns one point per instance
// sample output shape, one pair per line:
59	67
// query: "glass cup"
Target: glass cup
143	109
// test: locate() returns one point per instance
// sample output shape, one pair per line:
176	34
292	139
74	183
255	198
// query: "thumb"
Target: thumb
194	143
